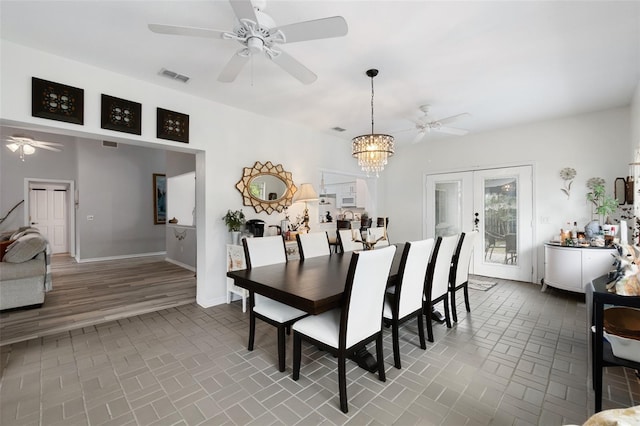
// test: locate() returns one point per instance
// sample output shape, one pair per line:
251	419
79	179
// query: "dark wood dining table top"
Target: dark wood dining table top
313	285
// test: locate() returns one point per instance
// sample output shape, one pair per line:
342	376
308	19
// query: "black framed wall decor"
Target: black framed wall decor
56	101
173	126
121	115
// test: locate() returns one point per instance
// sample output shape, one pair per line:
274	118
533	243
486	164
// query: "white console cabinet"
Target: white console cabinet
235	262
571	268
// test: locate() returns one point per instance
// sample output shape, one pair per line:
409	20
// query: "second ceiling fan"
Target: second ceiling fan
258	33
424	124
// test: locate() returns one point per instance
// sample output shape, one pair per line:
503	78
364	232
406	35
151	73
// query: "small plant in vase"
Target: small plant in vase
604	206
234	221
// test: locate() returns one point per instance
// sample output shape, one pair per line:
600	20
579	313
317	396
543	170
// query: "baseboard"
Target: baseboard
208	303
182	265
125	256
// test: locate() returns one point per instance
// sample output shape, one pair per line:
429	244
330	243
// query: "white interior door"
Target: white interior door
497	202
48	213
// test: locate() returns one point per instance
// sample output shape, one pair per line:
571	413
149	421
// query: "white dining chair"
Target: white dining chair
459	278
437	285
343	331
313	244
346	240
261	252
406	301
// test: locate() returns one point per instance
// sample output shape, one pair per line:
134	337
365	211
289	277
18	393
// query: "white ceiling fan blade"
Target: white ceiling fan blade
335	26
452	118
451	131
419	136
50	148
243	9
233	68
186	31
42	143
295	68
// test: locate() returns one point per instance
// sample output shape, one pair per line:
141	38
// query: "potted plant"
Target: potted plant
234	221
604	206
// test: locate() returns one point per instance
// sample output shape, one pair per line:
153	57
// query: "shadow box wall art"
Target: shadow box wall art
56	101
173	126
121	115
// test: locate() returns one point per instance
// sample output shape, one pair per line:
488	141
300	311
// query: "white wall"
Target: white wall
596	145
224	139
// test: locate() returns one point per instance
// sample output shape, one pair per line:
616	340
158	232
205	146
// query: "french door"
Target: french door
48	213
496	202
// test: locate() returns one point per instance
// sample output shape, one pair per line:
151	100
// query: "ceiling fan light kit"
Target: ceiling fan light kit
372	150
24	145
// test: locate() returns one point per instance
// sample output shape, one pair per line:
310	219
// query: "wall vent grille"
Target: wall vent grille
109	144
174	75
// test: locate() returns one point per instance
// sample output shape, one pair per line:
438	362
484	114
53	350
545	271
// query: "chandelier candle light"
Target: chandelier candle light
372	150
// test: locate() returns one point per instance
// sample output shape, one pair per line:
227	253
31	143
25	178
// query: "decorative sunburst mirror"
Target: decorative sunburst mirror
266	187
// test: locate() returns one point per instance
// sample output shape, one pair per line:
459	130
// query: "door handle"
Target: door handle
476	221
34	223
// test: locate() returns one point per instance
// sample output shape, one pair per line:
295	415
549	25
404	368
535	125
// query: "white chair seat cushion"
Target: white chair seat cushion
275	310
324	327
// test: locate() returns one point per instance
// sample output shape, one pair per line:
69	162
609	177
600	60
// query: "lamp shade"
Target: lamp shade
306	193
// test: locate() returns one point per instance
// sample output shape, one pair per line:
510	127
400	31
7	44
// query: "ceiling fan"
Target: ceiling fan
424	124
258	33
25	145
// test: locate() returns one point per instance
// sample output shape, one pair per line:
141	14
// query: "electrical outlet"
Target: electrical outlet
90	217
544	220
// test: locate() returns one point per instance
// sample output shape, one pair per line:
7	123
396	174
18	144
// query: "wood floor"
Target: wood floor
92	293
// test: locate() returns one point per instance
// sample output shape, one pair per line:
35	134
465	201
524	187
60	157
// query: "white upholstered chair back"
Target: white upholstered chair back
464	257
265	251
377	233
414	274
313	244
442	266
346	240
366	298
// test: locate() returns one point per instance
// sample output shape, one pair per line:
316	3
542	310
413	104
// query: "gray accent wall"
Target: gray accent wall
115	187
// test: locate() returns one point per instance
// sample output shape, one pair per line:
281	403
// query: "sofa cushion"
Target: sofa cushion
25	248
3	247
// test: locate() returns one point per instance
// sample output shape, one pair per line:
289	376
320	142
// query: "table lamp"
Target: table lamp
306	193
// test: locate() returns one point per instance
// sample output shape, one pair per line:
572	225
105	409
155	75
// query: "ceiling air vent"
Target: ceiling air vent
109	144
174	75
338	129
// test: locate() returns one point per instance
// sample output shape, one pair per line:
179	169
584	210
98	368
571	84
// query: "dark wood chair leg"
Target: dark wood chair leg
423	344
396	344
281	349
380	358
342	382
454	311
466	296
297	355
426	310
252	329
447	316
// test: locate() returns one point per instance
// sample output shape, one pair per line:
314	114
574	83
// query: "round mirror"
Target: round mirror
266	187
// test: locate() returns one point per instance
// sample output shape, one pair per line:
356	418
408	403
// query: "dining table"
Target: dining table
313	285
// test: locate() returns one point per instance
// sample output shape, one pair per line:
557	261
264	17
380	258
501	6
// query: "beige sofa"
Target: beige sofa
23	271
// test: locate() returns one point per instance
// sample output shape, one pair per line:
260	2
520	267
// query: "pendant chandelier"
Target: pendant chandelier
373	150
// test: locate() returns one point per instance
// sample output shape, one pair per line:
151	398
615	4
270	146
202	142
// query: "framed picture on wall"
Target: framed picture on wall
159	199
121	115
56	101
173	126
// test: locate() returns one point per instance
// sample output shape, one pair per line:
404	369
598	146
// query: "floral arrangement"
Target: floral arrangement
567	174
234	220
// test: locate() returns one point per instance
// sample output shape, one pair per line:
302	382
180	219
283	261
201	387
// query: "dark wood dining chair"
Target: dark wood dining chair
405	302
261	252
437	285
345	330
346	242
459	276
313	244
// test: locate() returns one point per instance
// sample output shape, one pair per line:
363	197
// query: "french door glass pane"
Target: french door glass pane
448	209
501	220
